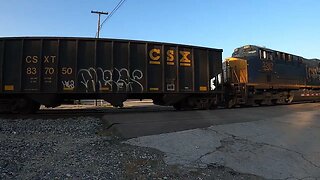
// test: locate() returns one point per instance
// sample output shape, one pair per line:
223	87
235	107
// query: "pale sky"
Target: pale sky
286	25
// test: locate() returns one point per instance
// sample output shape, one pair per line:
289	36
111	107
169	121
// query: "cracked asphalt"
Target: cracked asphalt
280	142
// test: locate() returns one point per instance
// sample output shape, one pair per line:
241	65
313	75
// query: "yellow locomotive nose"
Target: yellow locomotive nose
236	70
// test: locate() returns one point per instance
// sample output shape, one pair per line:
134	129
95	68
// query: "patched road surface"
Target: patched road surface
278	142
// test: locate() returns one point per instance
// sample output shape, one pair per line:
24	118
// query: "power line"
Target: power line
113	11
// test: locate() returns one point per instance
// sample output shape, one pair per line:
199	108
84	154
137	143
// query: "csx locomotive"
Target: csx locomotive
257	75
51	71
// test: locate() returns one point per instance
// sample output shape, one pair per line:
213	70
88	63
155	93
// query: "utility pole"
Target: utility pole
98	33
99	14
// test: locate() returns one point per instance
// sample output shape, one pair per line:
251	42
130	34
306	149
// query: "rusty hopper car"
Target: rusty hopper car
51	71
258	75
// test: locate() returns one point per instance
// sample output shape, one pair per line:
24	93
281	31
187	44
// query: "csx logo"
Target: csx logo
155	55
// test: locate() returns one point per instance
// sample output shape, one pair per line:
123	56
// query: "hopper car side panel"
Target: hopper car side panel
49	80
11	69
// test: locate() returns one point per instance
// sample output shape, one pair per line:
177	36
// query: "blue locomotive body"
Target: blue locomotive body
264	76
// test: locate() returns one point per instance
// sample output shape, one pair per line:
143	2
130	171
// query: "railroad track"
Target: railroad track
98	111
92	112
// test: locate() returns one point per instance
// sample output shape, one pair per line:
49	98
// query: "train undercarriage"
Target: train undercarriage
234	95
30	103
244	95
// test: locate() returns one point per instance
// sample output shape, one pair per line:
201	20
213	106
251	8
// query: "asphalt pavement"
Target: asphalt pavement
275	142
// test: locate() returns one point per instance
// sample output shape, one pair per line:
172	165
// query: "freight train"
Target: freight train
51	71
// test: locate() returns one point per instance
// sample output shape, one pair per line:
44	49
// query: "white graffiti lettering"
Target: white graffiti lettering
68	85
118	80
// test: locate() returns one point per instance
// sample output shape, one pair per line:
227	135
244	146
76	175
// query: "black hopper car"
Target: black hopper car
52	71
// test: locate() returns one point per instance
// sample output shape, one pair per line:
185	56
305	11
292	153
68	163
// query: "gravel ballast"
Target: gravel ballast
77	148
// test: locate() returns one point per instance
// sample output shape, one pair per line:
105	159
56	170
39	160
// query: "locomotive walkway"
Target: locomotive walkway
277	142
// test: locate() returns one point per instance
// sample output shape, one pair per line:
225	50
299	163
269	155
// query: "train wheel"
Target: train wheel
274	102
213	106
231	103
289	99
203	103
24	106
258	102
177	106
182	105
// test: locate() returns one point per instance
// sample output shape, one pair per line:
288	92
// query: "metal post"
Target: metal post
99	19
98	33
